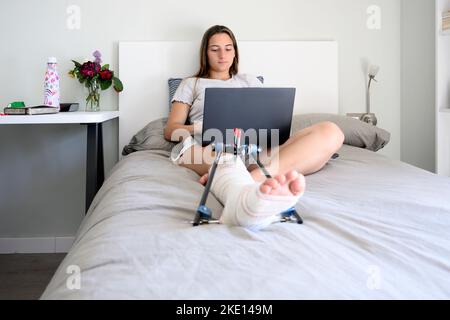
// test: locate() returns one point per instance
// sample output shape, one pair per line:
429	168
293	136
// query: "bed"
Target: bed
375	228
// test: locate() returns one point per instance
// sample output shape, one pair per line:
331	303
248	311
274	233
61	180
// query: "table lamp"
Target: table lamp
368	116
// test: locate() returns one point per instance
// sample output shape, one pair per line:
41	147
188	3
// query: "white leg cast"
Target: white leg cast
244	204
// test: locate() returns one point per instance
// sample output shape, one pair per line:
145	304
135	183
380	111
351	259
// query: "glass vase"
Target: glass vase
93	98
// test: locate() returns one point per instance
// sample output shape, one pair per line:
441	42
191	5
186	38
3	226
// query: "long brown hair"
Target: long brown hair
204	64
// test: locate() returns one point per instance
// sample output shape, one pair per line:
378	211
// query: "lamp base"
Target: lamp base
369	118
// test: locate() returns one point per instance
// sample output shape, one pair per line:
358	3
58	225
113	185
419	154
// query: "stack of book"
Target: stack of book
446	20
30	110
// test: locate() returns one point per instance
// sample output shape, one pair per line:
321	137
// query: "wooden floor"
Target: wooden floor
25	276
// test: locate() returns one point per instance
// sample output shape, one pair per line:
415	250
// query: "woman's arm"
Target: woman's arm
175	129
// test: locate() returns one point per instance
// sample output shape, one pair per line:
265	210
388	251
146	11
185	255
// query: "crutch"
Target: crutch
204	214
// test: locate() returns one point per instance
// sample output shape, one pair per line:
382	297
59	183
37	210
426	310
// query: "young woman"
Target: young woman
306	152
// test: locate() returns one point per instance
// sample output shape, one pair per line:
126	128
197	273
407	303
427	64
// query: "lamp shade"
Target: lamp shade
373	70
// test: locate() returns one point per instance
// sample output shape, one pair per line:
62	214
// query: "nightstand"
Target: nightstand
95	173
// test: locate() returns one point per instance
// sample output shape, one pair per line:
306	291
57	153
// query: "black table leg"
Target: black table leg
95	172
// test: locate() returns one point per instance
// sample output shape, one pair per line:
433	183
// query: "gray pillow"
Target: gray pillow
357	133
151	137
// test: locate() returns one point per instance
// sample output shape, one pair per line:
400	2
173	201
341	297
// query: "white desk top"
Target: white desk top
60	118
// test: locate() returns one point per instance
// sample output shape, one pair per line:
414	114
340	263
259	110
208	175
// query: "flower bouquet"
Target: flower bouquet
95	77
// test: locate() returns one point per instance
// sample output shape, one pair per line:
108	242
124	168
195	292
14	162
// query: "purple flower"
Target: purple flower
97	56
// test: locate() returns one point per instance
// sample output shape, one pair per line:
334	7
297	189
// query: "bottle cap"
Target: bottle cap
52	60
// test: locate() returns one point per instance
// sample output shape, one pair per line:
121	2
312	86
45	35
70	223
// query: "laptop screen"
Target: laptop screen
264	115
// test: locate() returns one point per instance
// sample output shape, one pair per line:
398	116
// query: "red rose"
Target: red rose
106	74
89	69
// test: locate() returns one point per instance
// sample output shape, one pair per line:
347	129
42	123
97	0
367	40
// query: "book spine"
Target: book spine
32	111
14	111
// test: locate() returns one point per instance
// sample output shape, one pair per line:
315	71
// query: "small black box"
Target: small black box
65	107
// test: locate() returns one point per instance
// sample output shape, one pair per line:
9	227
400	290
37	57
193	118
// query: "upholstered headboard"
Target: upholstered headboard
145	67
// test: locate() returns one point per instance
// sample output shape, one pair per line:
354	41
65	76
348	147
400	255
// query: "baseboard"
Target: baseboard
36	245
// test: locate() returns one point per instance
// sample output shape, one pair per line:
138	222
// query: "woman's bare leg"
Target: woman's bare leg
198	159
307	151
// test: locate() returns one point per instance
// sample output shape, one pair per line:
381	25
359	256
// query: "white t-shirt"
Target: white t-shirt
191	91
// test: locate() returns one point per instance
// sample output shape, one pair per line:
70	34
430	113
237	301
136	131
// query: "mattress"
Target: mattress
374	228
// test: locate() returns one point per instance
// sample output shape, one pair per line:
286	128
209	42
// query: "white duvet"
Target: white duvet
374	229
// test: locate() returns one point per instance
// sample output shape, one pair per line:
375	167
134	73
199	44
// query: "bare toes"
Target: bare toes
292	175
281	178
272	183
297	186
264	188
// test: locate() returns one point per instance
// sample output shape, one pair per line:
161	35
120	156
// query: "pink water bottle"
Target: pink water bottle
51	84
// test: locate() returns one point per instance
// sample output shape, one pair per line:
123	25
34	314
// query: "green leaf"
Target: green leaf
105	66
118	86
77	64
105	84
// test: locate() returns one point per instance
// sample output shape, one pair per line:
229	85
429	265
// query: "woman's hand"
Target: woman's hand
197	128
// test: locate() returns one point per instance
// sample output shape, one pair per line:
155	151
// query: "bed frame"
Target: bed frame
145	67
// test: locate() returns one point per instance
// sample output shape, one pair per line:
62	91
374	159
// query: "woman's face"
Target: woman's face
220	52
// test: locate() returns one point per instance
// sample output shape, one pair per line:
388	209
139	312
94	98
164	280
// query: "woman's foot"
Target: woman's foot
253	204
289	184
256	205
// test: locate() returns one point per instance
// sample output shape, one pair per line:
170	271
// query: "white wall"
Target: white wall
418	83
30	31
104	23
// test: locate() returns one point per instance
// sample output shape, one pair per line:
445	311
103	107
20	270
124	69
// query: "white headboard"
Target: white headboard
145	67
